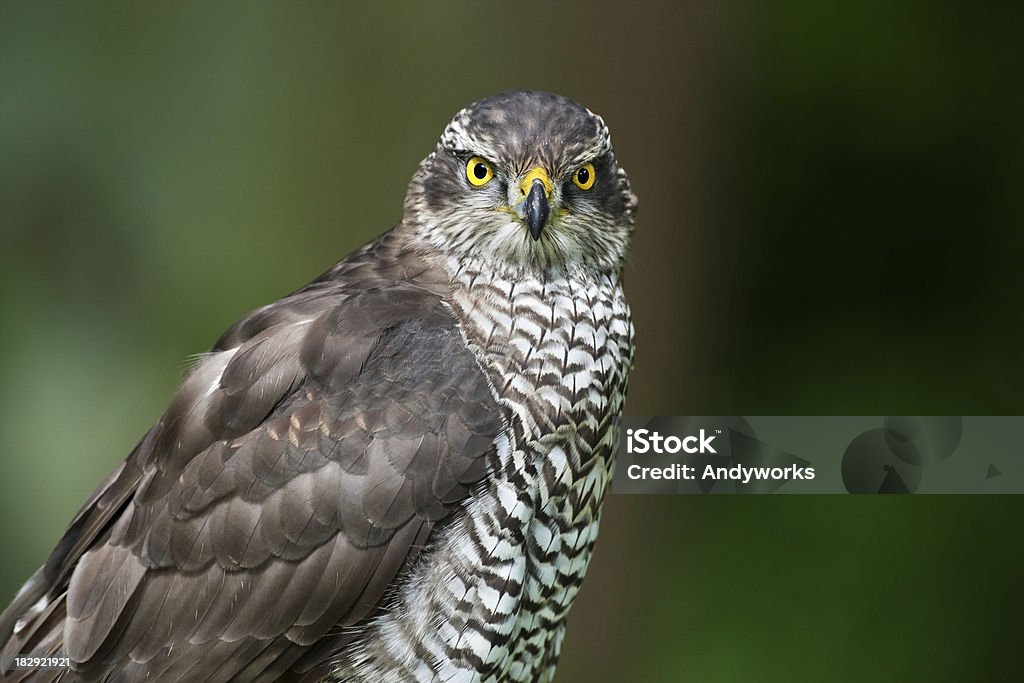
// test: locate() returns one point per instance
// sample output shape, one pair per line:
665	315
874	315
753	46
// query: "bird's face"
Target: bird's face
525	180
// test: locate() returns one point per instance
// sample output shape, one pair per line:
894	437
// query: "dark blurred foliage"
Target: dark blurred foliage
830	223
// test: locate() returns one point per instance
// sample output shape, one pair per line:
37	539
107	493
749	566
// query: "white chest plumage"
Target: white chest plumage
491	603
557	351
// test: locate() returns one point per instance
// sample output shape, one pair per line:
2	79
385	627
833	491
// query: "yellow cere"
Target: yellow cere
584	176
540	174
478	171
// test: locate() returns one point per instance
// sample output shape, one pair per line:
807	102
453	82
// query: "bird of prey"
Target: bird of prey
394	473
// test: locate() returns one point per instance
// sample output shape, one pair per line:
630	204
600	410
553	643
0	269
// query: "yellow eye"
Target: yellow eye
584	176
478	172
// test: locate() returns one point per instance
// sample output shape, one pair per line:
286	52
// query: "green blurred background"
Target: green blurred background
830	223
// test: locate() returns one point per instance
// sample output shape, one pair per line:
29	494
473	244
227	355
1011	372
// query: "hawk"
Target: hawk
394	473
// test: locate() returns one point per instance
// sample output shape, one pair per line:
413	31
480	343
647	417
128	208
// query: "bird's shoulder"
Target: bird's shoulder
390	266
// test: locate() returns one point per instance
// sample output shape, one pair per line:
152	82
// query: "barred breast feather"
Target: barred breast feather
489	599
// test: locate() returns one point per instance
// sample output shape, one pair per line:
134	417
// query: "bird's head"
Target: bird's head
525	180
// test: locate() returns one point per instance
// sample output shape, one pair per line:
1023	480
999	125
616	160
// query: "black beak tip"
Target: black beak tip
537	209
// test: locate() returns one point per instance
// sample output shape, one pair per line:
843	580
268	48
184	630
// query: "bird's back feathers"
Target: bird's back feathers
300	466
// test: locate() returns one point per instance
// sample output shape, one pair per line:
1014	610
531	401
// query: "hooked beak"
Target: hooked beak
537	209
536	187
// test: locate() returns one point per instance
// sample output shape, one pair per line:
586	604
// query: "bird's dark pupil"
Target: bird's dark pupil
583	175
480	171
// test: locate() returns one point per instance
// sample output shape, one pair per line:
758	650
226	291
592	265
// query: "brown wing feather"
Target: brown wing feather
295	474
